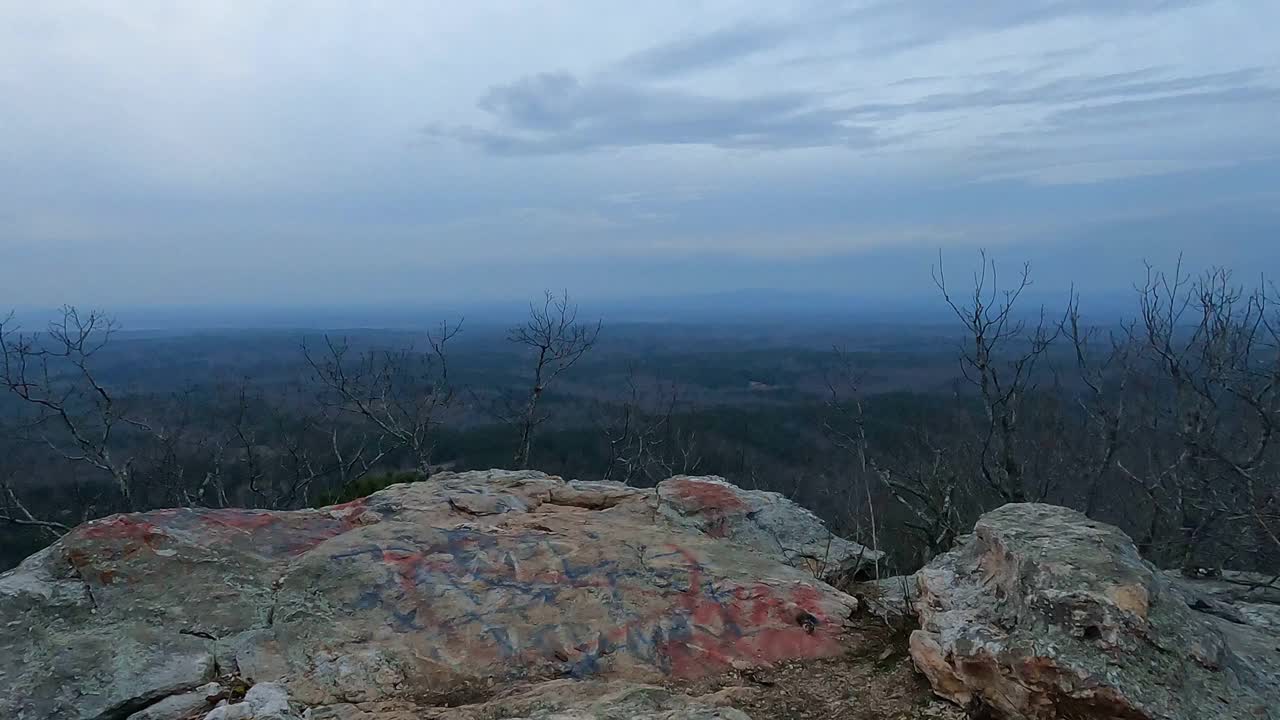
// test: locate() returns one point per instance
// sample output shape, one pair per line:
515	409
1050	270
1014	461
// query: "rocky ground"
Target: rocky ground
874	680
488	595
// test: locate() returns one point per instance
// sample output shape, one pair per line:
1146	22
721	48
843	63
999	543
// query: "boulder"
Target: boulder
1044	613
184	706
264	701
434	592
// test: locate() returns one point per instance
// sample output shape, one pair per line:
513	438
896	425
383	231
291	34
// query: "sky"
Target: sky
340	153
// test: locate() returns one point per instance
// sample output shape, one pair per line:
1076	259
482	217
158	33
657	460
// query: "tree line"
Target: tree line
1163	423
357	414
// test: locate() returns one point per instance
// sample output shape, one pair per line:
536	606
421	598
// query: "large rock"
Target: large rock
430	592
264	701
1043	613
193	704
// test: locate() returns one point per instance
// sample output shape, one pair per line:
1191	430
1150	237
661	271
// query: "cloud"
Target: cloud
555	113
1122	137
907	25
1076	89
1134	113
210	152
558	113
705	50
883	27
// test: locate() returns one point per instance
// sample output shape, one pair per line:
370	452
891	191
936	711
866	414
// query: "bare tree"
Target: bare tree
14	512
936	469
399	398
845	426
1000	361
185	461
645	442
1214	398
920	475
300	463
276	451
76	416
1104	367
846	422
556	339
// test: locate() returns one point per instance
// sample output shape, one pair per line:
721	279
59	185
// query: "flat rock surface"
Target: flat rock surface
432	593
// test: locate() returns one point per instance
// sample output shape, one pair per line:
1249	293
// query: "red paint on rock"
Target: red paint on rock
129	528
405	565
768	626
348	509
702	496
239	519
759	624
267	533
121	536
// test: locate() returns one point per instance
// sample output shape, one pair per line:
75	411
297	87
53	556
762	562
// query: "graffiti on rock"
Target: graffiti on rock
714	503
263	533
492	597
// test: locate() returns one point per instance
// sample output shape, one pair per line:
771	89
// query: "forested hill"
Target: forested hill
899	435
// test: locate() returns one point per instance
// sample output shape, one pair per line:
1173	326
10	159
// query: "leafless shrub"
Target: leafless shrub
1000	362
398	399
557	341
645	442
75	415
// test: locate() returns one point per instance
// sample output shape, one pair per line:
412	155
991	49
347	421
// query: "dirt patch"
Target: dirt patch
585	501
874	680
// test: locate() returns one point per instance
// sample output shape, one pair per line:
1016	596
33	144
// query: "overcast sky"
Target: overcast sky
372	152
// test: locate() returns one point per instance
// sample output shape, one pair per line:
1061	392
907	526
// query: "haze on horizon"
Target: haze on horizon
160	154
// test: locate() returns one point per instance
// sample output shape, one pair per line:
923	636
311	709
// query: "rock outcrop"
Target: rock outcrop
1043	613
764	521
434	593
